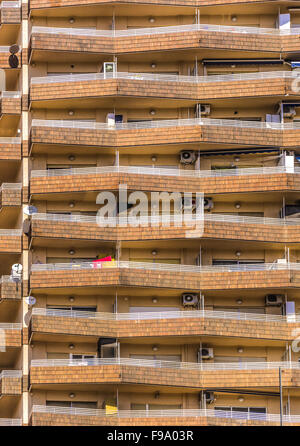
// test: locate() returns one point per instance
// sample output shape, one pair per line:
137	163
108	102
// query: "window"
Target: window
151	309
81	404
236	262
72	308
138	406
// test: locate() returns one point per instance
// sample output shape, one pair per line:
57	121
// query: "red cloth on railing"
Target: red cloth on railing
98	263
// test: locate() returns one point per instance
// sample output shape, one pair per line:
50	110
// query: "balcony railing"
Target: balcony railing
10	186
10	422
10	94
10	5
10	232
161	171
11	374
170	218
200	366
13	326
8	140
166	267
164	30
166	413
165	77
199	314
164	124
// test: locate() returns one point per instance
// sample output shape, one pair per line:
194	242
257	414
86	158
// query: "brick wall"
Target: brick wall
212	230
163	327
10	243
10	151
165	279
150	88
10	15
208	185
117	374
10	197
10	386
167	41
10	106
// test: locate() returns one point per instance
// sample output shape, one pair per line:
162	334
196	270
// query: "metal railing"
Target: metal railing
10	94
10	422
10	232
10	5
9	140
164	171
165	123
155	363
166	267
11	374
192	314
10	186
10	326
164	30
211	413
165	77
177	219
248	220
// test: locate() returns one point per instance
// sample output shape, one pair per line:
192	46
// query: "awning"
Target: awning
239	151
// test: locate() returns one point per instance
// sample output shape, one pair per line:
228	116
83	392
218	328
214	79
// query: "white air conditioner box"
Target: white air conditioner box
274	300
188	156
205	353
208	203
190	299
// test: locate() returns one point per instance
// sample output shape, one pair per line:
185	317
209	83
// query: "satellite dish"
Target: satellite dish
14	49
29	210
13	61
30	300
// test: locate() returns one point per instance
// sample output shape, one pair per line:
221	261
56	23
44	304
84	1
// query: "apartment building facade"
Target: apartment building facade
150	323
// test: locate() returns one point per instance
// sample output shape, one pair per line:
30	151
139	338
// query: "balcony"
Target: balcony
161	275
10	194
10	335
10	382
176	131
200	88
184	37
11	240
10	13
46	322
10	149
214	226
43	4
49	372
260	179
10	103
10	291
65	416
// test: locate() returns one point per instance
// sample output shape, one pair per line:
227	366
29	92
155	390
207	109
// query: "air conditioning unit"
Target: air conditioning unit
188	157
202	110
289	112
205	353
274	300
205	109
109	69
190	299
208	203
209	397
